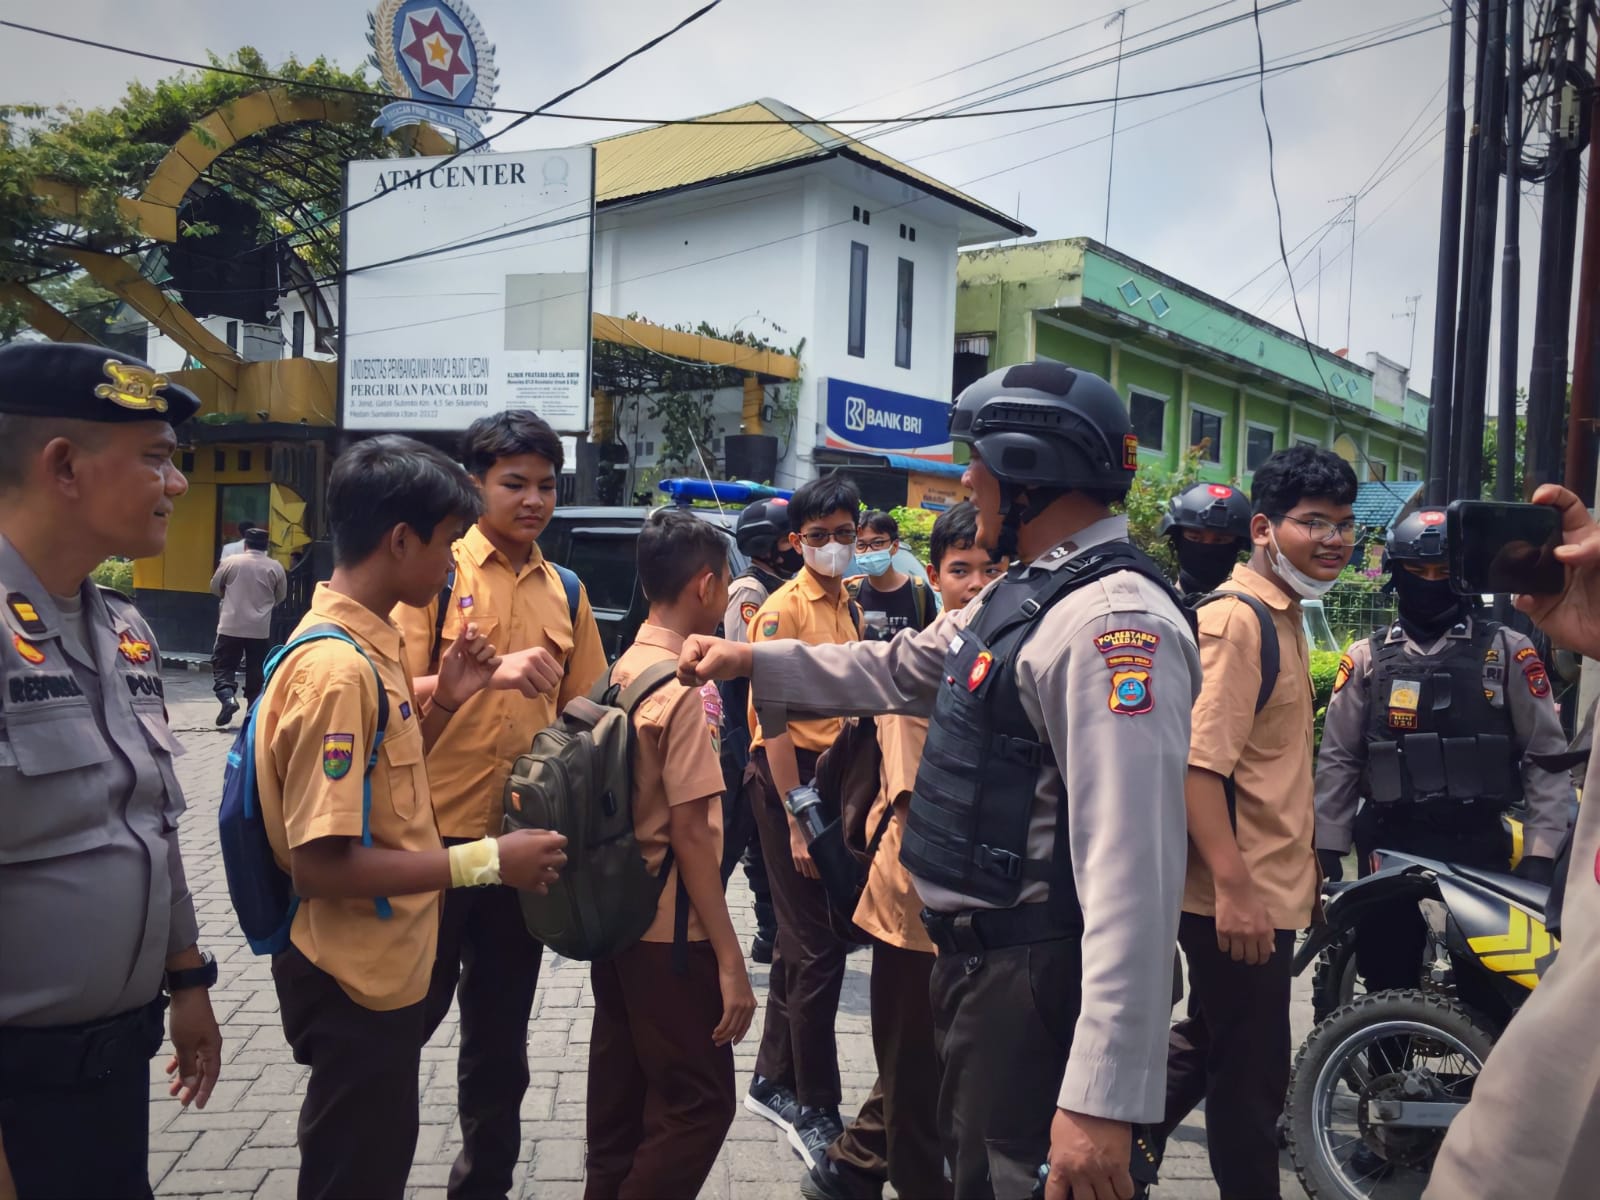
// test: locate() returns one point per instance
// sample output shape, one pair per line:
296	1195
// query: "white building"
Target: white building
792	231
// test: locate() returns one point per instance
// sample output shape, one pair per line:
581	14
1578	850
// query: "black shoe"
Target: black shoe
815	1129
229	707
772	1102
761	950
826	1181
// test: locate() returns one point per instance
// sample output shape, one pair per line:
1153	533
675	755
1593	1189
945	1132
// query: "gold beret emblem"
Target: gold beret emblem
133	387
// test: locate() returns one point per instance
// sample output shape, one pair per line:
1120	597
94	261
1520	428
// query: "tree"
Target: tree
1491	455
1153	486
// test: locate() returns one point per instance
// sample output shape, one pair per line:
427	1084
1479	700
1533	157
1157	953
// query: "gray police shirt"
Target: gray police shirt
93	898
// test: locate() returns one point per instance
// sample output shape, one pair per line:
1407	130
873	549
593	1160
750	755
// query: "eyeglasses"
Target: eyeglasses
844	535
1318	530
882	543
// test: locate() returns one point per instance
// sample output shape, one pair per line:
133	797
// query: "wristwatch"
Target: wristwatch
203	976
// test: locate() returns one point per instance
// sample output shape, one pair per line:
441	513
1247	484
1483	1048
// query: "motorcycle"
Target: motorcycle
1383	1074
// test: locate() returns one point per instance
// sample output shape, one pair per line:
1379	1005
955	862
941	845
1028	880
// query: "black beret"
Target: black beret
87	383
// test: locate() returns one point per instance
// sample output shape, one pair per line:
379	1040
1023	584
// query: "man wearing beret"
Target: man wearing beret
97	927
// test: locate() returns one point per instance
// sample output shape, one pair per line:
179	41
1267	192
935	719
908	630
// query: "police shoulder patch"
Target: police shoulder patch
1342	677
338	751
27	649
27	616
747	611
1127	639
1130	693
1538	681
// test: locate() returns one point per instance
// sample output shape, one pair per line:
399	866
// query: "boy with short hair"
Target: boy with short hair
890	599
351	984
666	1016
1252	878
899	1123
796	1084
520	601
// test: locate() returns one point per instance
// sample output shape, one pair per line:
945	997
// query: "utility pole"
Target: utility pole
1505	458
1444	333
1319	293
1409	315
1580	472
1121	19
1350	290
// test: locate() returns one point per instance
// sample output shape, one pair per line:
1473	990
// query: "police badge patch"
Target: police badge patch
980	670
747	612
27	649
1130	693
338	751
1342	677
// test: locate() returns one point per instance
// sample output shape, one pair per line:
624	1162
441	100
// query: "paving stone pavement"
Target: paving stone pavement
243	1144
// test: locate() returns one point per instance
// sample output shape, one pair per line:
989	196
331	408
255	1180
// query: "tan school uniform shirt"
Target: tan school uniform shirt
890	908
1267	753
802	609
677	761
314	731
515	610
1532	1129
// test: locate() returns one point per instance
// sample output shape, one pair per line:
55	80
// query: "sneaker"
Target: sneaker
772	1102
826	1181
815	1129
229	707
761	950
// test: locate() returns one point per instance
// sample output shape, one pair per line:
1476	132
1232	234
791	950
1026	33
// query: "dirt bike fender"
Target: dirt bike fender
1344	908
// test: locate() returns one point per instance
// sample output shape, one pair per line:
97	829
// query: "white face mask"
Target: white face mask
830	560
1299	582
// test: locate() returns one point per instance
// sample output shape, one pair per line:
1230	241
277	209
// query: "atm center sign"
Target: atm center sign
876	419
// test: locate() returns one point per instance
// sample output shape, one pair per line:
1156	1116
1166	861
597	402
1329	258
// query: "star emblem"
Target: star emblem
436	54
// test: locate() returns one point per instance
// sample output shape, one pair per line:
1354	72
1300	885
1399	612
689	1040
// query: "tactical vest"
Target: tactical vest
1439	729
967	829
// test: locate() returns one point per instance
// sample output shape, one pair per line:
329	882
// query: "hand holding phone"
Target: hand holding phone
1572	617
1504	548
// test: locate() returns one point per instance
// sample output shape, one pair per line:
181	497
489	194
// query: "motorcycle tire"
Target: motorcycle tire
1451	1022
1333	979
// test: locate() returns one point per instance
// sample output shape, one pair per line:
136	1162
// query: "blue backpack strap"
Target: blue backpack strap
570	584
319	633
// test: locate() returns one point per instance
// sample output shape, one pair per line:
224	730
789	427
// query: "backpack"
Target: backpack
848	778
577	779
569	584
1269	673
262	892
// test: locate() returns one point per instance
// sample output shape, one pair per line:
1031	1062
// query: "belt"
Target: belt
975	930
80	1053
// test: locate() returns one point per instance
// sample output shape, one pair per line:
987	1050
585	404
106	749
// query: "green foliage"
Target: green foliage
1324	668
115	573
686	434
1153	486
1357	604
916	527
1491	453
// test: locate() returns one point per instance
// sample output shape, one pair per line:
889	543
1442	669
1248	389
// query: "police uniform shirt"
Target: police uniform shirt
677	761
1515	680
745	598
250	584
1122	769
1532	1128
93	898
513	610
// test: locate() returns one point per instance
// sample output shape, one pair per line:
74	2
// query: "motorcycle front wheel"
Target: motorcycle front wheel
1374	1089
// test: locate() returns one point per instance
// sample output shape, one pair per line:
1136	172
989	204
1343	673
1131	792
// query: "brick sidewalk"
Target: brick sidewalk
243	1144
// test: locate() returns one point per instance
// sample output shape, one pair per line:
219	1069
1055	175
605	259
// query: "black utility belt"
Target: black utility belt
1425	765
81	1053
978	929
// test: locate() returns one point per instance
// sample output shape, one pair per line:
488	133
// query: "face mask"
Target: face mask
830	560
874	562
1427	605
1299	582
1203	567
789	560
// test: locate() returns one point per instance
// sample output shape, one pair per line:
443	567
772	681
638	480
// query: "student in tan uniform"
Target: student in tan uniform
352	982
666	1016
1252	879
899	1123
518	600
796	1084
1532	1128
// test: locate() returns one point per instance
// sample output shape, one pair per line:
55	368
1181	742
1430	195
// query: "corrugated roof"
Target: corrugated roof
665	158
1378	503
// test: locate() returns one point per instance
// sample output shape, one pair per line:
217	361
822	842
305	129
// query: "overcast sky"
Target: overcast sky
1190	193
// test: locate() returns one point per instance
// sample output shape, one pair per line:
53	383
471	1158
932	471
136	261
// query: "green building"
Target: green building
1195	370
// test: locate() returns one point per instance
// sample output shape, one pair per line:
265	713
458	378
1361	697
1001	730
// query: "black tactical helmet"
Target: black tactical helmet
762	527
1417	538
1046	425
1210	506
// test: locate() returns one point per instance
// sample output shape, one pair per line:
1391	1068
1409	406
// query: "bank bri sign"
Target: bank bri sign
433	55
877	420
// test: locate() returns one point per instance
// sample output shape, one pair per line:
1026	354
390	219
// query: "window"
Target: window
1410	475
1259	444
1149	415
232	329
245	459
858	300
902	318
1206	428
1377	472
1131	294
298	337
1159	305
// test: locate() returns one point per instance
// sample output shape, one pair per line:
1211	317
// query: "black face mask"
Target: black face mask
1202	566
1428	607
790	561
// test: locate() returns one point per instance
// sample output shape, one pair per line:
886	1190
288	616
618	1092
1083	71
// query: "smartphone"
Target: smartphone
1504	548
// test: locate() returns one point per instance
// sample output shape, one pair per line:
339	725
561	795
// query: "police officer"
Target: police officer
1051	864
97	927
1208	525
1434	720
762	533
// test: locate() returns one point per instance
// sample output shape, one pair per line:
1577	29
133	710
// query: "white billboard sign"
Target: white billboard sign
467	290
